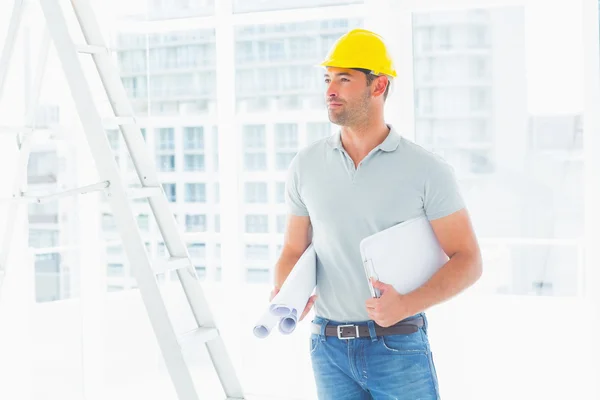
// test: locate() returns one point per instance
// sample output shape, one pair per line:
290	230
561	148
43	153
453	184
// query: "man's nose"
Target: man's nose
331	91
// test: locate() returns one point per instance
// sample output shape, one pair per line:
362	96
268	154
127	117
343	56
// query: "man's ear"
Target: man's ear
379	85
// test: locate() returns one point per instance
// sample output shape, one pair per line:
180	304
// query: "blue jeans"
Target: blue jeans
394	367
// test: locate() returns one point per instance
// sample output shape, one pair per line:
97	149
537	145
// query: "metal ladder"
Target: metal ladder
145	270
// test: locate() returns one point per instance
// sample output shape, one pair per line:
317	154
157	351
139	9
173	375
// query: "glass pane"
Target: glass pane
519	162
240	6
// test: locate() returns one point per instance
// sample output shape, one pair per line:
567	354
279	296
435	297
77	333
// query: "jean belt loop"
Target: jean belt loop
322	336
425	323
372	332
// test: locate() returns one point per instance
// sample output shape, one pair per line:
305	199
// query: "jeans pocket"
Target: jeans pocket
404	344
314	342
434	374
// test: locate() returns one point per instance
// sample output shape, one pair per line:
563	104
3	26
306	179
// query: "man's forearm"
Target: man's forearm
460	272
284	266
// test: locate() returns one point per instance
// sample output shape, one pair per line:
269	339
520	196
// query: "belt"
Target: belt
362	331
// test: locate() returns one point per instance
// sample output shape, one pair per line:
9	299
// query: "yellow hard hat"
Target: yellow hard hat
363	49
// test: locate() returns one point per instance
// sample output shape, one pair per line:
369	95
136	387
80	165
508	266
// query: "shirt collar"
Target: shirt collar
390	143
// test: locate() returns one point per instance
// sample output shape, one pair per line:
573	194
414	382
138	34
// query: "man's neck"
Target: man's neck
358	141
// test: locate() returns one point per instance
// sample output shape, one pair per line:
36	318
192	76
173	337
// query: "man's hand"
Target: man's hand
273	293
309	303
388	309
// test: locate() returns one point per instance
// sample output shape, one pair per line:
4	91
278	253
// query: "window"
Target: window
257	224
281	223
165	149
217	223
257	252
113	139
195	193
256	161
280	192
286	136
195	223
283	160
142	221
115	270
165	163
165	139
255	143
197	250
193	138
108	223
194	162
316	131
170	191
43	238
256	192
286	144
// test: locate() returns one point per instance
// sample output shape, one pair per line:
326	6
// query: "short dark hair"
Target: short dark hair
371	77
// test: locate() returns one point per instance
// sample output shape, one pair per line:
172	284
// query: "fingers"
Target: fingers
309	305
273	293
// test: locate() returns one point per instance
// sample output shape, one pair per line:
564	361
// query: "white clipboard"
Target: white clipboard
405	255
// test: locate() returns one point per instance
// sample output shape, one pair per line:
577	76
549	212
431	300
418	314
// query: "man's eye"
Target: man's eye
327	80
345	80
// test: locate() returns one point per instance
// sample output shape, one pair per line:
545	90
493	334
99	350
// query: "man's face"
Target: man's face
347	96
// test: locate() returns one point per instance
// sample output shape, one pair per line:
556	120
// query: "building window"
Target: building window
255	144
142	221
281	223
170	191
257	252
194	162
286	144
108	223
316	131
197	250
165	149
115	270
257	224
195	223
256	192
43	238
193	138
165	139
165	163
195	193
280	192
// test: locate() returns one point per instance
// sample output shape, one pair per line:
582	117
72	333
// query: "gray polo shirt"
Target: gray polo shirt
396	181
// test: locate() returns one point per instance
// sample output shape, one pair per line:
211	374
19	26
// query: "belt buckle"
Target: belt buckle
339	332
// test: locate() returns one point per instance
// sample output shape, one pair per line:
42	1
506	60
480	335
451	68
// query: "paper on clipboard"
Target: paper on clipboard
405	255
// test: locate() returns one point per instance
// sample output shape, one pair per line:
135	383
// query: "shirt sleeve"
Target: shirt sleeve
293	200
442	194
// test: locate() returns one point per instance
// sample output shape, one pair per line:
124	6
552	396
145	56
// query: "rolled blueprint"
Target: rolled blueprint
287	306
265	324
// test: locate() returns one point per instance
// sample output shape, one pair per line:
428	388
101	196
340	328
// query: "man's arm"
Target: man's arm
296	240
298	236
457	238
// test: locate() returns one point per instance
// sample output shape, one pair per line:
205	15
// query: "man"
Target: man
353	184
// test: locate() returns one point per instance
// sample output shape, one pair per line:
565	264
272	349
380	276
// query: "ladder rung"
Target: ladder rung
117	121
25	198
91	49
198	336
171	264
15	129
144	192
